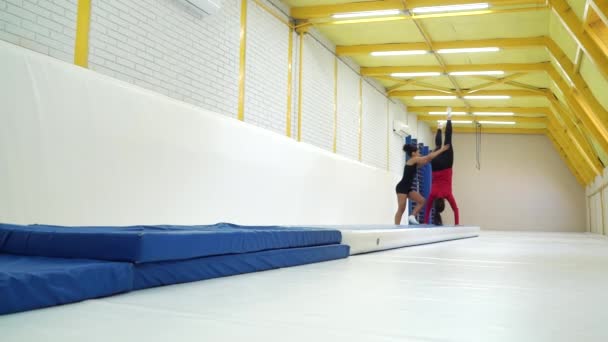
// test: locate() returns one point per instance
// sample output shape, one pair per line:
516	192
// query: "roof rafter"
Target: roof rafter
517	110
580	35
582	179
503	43
507	92
516	119
509	67
325	11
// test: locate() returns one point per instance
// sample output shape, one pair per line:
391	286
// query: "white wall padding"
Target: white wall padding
605	211
77	147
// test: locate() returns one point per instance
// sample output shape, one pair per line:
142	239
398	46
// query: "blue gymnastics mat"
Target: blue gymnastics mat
141	244
173	272
28	283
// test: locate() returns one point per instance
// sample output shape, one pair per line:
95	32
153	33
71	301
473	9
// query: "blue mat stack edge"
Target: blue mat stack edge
43	265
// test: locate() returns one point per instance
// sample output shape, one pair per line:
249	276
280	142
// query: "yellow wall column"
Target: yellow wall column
242	64
83	23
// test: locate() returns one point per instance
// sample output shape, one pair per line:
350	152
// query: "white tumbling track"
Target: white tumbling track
497	287
364	239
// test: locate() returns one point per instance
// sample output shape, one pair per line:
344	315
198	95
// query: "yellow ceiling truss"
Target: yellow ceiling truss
523	67
326	11
503	43
581	177
565	120
601	8
562	105
509	92
576	28
517	119
546	111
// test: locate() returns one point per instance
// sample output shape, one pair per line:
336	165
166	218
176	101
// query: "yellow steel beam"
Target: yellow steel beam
569	120
570	123
327	21
398	83
594	125
577	79
562	135
579	177
517	119
569	151
509	92
426	85
513	67
360	118
300	83
578	143
577	30
601	8
510	130
582	161
324	11
517	110
439	58
493	81
582	180
503	43
242	62
83	22
289	82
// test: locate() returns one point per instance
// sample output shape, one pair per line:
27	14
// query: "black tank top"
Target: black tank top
409	172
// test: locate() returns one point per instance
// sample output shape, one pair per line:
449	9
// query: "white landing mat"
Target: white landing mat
499	287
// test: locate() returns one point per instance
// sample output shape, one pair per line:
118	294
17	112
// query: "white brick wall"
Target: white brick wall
45	26
348	112
169	47
266	70
425	135
317	95
375	129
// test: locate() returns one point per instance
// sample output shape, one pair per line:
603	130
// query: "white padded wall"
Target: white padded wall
604	211
80	148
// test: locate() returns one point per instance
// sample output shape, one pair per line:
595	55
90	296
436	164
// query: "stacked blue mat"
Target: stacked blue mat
42	265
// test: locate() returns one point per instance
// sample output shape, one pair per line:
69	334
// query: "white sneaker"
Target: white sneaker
412	220
440	125
449	113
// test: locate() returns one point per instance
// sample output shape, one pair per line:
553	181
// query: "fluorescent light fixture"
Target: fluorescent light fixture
450	8
415	74
435	97
468	50
366	14
476	73
399	53
497	122
457	121
445	113
493	113
487	97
